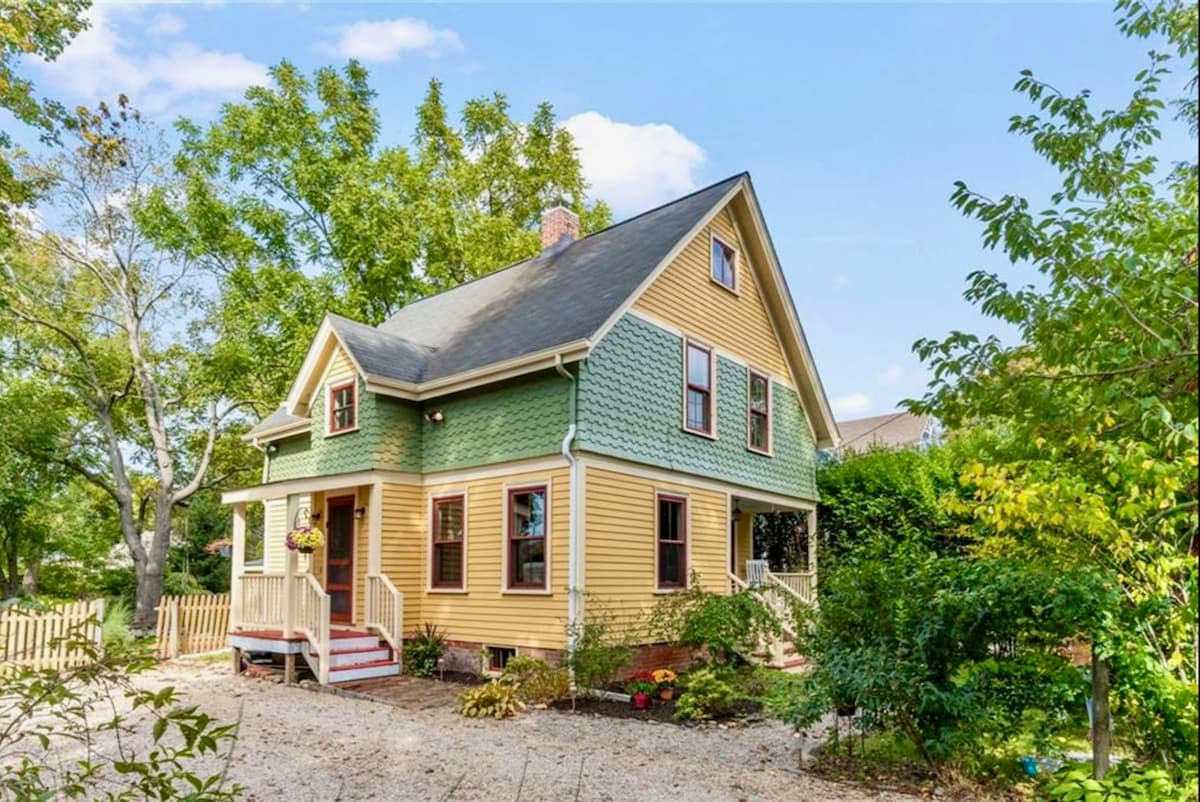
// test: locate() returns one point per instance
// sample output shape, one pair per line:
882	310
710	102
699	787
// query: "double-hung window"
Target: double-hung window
724	264
698	389
527	532
343	407
672	542
758	413
449	540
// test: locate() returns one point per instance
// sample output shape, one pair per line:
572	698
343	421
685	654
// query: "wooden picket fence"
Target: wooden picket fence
41	640
192	624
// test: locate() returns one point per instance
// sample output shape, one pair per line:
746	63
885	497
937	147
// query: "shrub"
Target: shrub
115	630
496	699
597	655
537	682
421	654
1124	783
705	695
728	625
178	583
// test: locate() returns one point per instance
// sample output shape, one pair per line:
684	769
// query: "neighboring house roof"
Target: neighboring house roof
897	430
566	297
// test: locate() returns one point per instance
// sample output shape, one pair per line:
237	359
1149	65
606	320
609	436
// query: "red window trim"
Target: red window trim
712	265
709	391
333	390
751	412
509	539
682	543
433	543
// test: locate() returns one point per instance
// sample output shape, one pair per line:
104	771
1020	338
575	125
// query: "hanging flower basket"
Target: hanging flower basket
305	539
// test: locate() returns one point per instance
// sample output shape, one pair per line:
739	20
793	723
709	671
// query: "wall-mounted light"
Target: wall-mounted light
737	511
272	448
435	415
360	513
316	516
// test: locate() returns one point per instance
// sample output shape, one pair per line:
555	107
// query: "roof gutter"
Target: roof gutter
574	545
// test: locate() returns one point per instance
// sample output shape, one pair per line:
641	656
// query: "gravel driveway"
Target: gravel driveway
301	745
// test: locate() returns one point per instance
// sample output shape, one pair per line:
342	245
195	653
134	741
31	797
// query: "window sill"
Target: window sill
351	430
760	453
698	433
669	591
731	290
526	592
452	591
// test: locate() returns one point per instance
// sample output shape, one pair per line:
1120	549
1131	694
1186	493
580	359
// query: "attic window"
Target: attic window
343	407
724	264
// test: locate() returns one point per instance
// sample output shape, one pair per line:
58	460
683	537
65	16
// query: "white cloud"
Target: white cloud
102	61
386	40
853	404
165	25
891	375
634	167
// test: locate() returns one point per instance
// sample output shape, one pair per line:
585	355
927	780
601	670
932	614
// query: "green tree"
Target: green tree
96	309
1098	399
40	28
299	208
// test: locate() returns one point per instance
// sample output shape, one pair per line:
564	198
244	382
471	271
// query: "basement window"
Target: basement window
498	657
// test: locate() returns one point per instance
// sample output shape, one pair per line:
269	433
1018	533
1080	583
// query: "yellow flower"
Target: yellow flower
664	675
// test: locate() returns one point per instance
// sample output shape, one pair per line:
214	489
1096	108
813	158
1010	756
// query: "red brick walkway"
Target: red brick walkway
407	692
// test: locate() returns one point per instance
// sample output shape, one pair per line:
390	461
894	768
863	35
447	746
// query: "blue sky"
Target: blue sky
853	120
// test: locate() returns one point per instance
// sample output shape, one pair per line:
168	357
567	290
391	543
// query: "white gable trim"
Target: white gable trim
315	359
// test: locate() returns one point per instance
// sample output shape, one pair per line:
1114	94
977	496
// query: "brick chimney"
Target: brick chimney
558	223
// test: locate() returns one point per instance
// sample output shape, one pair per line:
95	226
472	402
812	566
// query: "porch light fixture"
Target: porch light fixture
360	513
435	415
737	511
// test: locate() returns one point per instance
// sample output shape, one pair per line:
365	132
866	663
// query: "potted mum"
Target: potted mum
305	539
664	679
639	687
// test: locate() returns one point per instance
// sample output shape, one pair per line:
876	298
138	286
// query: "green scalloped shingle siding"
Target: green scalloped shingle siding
510	421
388	437
630	406
514	420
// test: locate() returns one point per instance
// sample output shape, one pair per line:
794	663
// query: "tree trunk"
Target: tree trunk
1101	736
30	582
150	578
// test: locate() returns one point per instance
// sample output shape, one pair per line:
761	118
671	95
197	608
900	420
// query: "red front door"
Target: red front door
339	559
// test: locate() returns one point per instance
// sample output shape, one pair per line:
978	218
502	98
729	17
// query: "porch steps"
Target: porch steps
355	656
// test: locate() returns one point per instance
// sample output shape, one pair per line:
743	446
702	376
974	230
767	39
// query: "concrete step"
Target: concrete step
371	670
343	640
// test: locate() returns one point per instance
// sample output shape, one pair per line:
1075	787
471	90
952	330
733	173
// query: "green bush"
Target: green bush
908	637
1123	784
537	682
728	625
596	655
116	631
495	699
179	583
421	653
705	695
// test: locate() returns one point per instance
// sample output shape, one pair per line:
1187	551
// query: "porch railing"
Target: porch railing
312	621
262	603
772	595
385	612
801	585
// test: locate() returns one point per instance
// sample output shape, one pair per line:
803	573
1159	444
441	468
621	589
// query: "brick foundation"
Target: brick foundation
464	656
662	655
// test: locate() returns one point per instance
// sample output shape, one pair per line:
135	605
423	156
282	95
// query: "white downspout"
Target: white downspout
573	555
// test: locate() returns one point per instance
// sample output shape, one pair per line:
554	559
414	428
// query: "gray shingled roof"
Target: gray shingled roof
895	430
553	299
563	295
280	417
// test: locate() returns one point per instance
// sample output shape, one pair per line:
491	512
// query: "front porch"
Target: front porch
334	607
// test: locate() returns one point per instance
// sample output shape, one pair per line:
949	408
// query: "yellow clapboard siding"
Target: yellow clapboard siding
620	540
685	296
484	613
339	367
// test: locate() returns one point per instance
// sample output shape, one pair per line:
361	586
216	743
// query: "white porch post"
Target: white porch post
290	561
239	565
812	548
375	552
